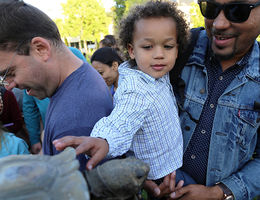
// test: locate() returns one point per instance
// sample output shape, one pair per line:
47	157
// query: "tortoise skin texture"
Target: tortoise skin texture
30	177
117	179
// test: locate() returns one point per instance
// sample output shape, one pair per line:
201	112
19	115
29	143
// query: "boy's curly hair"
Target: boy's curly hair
151	9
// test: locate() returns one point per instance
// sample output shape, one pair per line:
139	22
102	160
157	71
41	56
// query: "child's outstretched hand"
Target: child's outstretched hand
166	189
97	148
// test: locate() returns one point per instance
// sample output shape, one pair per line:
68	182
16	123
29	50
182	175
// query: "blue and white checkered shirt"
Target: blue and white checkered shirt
144	120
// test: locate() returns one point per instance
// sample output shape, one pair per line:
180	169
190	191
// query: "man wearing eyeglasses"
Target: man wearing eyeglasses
220	112
33	57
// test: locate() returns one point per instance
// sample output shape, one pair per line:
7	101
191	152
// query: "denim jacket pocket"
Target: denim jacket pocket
249	116
246	131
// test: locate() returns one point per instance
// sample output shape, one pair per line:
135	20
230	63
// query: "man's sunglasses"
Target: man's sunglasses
234	12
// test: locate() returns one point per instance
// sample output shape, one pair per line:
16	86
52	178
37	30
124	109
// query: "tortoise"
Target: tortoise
26	177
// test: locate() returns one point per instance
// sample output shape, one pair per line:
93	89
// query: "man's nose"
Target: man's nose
221	22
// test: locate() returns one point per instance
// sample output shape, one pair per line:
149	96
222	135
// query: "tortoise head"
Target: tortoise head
118	178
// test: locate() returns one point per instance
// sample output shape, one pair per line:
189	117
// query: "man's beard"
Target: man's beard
223	56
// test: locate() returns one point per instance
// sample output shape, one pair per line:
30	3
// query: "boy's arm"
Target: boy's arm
97	148
123	122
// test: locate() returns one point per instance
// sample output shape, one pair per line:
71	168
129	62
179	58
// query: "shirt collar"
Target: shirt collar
125	69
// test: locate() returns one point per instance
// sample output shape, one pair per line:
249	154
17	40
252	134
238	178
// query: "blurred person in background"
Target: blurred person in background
106	61
10	144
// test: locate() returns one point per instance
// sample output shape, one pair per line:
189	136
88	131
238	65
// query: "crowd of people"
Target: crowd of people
198	130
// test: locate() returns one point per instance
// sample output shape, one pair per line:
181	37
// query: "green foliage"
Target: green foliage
258	38
130	3
85	19
144	195
119	10
196	19
122	8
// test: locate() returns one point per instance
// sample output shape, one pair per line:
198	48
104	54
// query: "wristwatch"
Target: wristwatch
228	195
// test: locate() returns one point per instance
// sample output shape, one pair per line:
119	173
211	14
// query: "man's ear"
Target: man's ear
130	50
115	65
41	47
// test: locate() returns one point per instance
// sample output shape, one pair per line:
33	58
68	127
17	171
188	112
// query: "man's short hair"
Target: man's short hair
20	23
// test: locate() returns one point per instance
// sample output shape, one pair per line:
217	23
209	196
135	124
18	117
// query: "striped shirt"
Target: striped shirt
144	120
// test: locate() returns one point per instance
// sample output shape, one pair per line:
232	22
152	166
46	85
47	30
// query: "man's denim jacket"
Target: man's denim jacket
234	137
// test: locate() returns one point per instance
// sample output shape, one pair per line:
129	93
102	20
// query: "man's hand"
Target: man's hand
36	148
97	148
201	192
166	188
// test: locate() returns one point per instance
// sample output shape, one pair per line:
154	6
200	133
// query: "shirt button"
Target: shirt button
203	131
211	105
202	91
193	156
187	128
220	78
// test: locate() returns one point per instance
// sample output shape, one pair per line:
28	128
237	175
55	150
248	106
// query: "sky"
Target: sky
53	7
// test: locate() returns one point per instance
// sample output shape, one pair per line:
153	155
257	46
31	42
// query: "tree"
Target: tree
196	19
122	7
119	10
130	3
84	19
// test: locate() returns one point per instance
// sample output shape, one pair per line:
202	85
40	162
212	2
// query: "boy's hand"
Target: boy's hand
165	189
97	148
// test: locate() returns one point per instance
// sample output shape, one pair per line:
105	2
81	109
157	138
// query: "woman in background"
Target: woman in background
106	61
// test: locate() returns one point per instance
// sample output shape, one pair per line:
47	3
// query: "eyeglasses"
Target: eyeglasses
2	78
234	12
